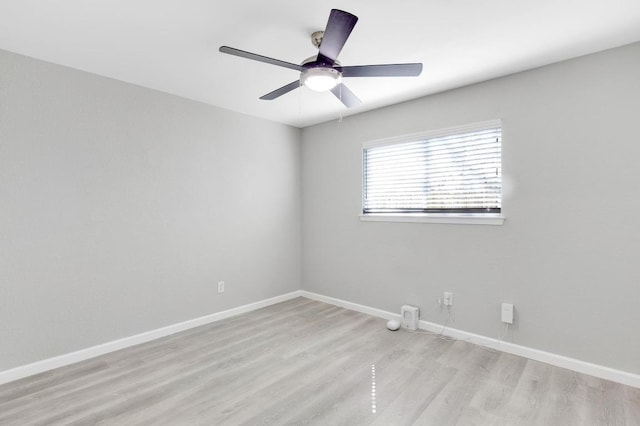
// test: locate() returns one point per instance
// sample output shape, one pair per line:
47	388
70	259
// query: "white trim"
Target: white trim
350	305
430	134
458	219
596	370
94	351
619	376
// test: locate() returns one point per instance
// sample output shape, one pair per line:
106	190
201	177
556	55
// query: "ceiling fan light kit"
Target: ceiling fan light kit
321	79
323	72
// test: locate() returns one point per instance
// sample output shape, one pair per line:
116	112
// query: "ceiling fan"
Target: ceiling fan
323	72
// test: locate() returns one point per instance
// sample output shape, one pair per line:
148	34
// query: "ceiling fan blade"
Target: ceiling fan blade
336	33
386	70
260	58
346	96
281	91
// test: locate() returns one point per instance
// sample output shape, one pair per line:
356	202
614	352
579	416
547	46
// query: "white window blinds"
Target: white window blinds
456	172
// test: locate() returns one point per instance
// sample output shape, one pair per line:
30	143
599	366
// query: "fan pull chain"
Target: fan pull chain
300	99
340	113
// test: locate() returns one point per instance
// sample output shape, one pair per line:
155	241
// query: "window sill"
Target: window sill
456	219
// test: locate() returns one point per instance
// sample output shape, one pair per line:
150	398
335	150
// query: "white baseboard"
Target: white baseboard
94	351
596	370
619	376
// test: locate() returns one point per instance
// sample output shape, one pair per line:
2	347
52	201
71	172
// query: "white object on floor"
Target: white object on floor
410	316
393	325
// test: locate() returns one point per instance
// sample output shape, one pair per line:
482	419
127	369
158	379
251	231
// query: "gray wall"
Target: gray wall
568	253
122	207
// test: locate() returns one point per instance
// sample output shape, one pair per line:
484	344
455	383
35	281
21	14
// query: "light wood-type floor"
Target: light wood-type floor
304	362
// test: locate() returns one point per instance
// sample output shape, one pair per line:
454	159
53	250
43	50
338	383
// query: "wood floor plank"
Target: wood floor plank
495	392
473	369
631	404
414	396
334	404
306	362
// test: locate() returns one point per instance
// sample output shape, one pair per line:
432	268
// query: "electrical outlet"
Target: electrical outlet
439	302
220	286
448	298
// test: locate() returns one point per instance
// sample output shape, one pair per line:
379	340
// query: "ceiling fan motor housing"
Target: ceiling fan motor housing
312	61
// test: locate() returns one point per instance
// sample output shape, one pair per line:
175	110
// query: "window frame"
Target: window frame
436	217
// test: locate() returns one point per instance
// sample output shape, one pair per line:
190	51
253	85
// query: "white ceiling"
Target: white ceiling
172	45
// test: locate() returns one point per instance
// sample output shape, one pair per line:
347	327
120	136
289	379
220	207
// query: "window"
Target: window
452	175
